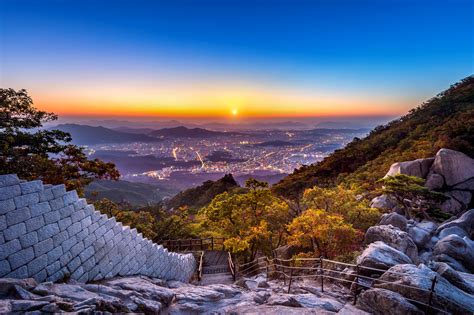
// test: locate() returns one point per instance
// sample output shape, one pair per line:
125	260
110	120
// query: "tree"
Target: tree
35	153
410	194
342	201
251	222
325	234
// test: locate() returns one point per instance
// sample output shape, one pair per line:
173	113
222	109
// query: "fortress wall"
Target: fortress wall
50	234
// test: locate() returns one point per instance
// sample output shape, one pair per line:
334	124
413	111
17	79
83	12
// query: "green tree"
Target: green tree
251	222
35	153
410	194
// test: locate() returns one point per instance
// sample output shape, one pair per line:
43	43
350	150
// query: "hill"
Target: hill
200	196
445	121
88	135
136	194
183	132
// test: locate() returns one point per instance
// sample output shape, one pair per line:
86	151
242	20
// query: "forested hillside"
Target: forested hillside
445	121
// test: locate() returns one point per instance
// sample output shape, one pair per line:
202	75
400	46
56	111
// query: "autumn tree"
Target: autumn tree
33	152
323	233
410	194
251	222
344	202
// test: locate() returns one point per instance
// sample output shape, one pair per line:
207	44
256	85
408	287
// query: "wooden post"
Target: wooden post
433	283
291	279
322	272
356	284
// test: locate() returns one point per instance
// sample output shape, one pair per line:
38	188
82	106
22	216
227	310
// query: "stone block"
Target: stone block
87	253
54	254
86	222
65	258
4	267
92	228
29	239
9	180
110	223
21	257
70	197
48	231
81	203
77	249
108	235
89	240
82	235
39	209
84	277
57	204
20	273
40	276
67	244
59	190
46	195
43	247
2	238
59	238
26	200
89	209
3	222
100	231
8	248
18	215
78	215
66	212
14	231
34	223
37	264
74	264
9	192
64	223
89	264
7	205
53	268
31	187
74	229
51	217
76	275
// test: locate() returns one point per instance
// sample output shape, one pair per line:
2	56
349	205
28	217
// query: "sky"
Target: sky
234	59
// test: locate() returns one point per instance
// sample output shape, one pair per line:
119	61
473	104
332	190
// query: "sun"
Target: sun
234	112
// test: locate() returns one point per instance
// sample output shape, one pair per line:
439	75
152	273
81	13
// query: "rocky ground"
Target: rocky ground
152	296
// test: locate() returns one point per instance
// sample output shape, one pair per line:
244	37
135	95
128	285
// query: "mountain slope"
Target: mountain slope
446	120
88	135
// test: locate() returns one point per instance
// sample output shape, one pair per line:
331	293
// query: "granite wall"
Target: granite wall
50	234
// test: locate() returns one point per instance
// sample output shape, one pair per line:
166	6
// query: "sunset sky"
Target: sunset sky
234	58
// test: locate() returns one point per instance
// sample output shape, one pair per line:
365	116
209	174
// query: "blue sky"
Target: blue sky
282	55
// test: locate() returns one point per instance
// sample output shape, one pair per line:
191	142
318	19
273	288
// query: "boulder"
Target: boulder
350	309
465	222
467	185
401	279
418	168
457	248
379	255
383	202
456	230
283	299
261	297
451	206
461	196
394	219
8	285
421	233
434	181
452	276
385	302
393	237
286	251
454	166
312	301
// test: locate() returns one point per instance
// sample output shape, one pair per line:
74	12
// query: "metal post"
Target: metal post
291	279
322	272
356	284
433	283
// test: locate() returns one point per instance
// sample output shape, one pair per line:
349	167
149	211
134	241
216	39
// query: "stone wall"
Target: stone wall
50	234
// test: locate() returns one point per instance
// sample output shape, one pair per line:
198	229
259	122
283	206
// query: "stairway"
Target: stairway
216	268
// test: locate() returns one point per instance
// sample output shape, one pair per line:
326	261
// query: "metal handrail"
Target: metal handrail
199	271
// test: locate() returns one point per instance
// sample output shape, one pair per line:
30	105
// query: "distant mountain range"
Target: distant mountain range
89	135
183	132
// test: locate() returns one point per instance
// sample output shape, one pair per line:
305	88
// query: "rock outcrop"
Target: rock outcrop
50	234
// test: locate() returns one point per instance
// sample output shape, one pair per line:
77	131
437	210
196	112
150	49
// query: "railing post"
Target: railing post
266	266
201	244
212	243
433	283
291	279
356	284
322	272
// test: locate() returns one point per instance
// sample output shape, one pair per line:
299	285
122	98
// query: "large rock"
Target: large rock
418	168
465	222
458	248
454	166
452	276
393	237
434	181
383	202
402	279
385	302
421	233
394	219
451	206
379	255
